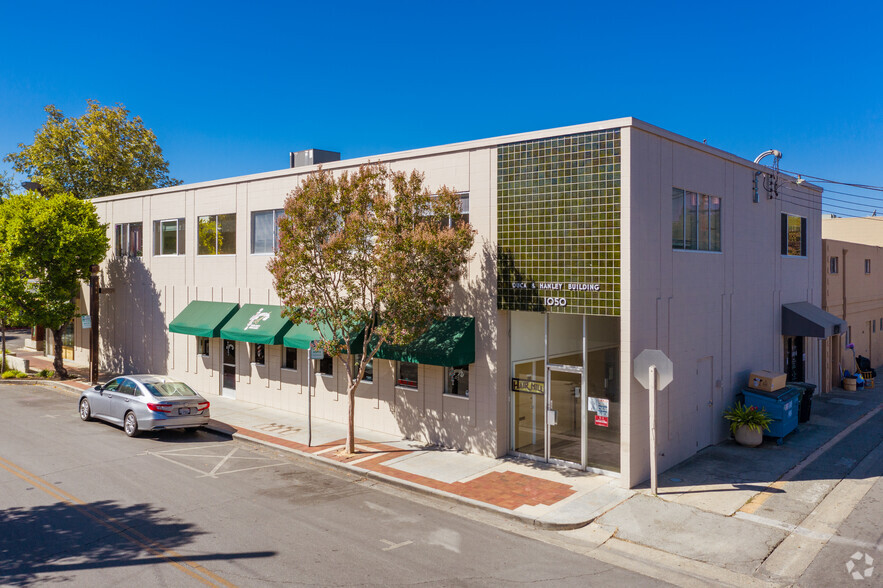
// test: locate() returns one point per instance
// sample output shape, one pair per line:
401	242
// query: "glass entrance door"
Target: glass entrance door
228	379
565	415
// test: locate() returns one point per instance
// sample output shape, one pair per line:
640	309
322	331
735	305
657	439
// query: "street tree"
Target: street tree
101	153
51	244
6	185
370	252
12	288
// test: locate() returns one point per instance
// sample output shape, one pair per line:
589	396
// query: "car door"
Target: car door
121	400
101	401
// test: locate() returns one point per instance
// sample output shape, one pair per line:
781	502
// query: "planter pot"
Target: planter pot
748	437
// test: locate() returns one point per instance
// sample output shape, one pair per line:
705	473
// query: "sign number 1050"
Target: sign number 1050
555	301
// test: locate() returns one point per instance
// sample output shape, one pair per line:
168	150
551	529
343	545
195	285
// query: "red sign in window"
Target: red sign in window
601	421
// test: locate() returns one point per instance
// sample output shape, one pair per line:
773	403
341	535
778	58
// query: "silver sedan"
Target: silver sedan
145	403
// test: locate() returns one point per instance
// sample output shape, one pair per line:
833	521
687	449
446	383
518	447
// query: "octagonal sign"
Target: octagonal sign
664	368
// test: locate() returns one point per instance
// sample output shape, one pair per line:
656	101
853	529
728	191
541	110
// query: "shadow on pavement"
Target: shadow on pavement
47	543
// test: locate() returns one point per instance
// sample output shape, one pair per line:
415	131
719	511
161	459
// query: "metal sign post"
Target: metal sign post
654	370
312	353
652	377
309	398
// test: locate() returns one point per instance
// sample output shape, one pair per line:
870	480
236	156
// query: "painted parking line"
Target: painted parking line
190	568
216	460
755	502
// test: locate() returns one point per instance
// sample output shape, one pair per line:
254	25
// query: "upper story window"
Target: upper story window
216	234
168	237
793	235
464	207
696	221
867	266
834	265
265	231
129	239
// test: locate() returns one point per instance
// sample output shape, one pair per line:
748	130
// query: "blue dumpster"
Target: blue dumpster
781	405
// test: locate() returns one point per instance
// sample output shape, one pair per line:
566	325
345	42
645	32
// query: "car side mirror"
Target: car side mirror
99	387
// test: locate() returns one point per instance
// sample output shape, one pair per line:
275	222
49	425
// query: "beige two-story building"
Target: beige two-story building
594	242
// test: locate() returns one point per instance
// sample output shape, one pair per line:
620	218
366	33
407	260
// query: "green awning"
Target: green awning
300	336
202	318
449	342
257	323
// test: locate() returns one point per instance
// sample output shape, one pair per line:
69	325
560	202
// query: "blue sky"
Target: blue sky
230	88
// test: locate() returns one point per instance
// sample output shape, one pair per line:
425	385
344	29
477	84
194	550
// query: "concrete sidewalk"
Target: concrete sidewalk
729	507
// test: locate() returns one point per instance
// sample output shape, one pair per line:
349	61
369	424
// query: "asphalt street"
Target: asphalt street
854	556
81	503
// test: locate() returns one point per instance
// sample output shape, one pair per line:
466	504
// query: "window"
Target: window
290	358
457	381
793	235
259	353
369	368
867	266
127	387
168	237
695	221
129	239
202	346
407	375
265	231
216	235
326	366
464	207
834	265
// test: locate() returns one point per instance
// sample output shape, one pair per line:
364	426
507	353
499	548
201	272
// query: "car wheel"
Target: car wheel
85	410
130	424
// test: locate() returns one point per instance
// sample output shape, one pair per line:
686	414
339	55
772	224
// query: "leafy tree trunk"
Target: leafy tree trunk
3	360
58	364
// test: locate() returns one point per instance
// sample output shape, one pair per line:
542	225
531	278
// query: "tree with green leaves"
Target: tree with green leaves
49	244
101	153
369	252
12	288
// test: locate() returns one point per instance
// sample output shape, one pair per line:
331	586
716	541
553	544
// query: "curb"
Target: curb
446	496
54	385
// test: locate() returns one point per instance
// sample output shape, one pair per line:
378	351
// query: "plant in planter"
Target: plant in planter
747	423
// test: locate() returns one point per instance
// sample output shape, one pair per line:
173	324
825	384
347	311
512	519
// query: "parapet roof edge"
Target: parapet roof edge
448	148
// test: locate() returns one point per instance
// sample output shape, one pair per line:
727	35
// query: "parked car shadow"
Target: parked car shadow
50	543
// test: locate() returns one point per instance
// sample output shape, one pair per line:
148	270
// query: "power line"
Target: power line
818	179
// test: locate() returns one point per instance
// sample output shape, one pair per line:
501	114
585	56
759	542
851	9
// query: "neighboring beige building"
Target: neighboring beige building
864	229
853	266
595	242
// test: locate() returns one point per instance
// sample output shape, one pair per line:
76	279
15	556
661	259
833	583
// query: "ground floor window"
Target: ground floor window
260	351
550	417
457	381
202	345
290	358
407	374
369	368
326	365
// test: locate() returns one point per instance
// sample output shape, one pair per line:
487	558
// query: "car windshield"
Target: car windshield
169	388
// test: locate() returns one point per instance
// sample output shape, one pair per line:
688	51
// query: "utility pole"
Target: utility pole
94	290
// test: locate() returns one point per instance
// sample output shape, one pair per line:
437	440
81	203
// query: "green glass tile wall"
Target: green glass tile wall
558	219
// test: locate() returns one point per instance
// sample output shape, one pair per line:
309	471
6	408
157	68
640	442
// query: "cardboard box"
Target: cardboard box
766	380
